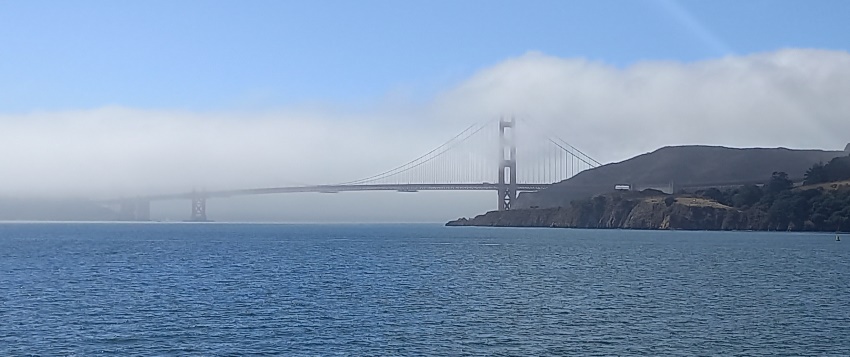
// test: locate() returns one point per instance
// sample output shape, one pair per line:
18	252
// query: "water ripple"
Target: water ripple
82	290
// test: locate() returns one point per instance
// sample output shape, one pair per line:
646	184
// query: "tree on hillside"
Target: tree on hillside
815	174
839	220
837	169
746	196
779	182
716	195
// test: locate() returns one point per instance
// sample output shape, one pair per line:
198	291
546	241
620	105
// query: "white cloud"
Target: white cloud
793	98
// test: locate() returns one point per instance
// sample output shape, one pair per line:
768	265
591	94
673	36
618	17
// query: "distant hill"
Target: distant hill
681	166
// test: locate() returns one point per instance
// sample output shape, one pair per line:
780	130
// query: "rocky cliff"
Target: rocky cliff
624	211
725	198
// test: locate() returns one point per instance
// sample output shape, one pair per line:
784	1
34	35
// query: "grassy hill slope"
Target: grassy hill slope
681	165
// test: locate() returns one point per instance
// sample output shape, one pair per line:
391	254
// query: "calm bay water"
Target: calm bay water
229	289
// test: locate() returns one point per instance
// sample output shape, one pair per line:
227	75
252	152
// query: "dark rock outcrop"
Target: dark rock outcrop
617	211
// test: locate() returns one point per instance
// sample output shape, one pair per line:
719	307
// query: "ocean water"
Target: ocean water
247	289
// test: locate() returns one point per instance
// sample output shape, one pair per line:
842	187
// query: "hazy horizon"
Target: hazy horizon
118	100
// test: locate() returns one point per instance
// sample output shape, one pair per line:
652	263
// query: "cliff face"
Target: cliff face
822	204
624	212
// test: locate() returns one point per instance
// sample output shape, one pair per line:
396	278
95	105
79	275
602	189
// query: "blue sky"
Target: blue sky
255	55
107	98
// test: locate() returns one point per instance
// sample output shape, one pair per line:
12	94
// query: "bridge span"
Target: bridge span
464	163
138	208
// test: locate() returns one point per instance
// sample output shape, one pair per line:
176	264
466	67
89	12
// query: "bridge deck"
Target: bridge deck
333	189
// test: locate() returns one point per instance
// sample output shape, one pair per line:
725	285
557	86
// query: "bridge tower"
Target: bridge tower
507	163
134	209
199	207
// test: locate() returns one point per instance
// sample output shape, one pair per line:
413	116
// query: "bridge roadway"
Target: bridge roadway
138	208
485	186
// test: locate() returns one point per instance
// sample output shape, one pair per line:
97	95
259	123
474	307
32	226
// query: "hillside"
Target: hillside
681	165
801	209
822	203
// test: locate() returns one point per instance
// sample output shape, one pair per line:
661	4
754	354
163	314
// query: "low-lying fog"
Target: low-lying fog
792	98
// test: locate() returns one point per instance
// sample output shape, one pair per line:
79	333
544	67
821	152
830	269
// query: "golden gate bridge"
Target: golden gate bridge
483	157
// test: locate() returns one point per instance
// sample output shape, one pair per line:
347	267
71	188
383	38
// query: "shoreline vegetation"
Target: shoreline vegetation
821	203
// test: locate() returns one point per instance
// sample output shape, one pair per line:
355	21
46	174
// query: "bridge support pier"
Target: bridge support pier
199	208
134	210
507	164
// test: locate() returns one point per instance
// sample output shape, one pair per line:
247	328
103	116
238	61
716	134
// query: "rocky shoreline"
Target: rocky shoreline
615	211
818	202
